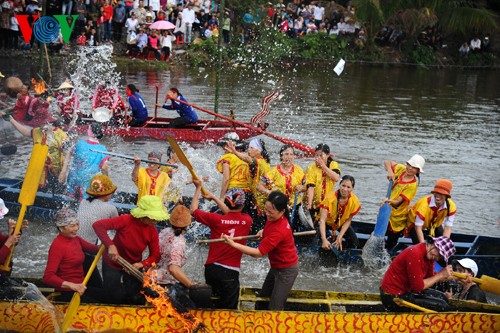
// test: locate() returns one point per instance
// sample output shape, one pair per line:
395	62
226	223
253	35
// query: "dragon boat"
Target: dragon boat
306	311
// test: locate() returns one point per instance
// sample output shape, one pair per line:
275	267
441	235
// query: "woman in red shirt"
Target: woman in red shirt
107	15
64	270
279	245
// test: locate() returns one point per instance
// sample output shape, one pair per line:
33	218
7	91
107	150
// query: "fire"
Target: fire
38	86
164	304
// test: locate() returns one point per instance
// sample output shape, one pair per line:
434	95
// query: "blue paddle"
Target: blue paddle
294	209
383	215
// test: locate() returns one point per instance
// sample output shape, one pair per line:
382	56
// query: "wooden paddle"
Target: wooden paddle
28	190
485	282
402	302
133	158
217	240
383	215
184	160
133	271
309	150
75	300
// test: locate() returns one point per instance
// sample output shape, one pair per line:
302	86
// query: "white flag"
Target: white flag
340	67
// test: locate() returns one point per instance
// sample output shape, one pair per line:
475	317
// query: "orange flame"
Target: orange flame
164	304
38	86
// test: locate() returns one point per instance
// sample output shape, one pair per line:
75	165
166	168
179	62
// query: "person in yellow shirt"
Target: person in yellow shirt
150	180
337	210
433	214
404	189
286	177
321	177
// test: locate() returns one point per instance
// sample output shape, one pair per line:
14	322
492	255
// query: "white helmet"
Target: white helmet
469	264
417	161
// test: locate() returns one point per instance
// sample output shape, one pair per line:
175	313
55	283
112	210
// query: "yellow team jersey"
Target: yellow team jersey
407	190
239	171
276	179
149	185
56	141
261	168
432	216
322	183
338	215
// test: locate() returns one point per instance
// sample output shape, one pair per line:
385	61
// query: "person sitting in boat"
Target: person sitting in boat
31	111
150	180
68	102
470	290
433	214
411	275
321	177
169	273
185	111
64	271
135	232
278	243
171	159
138	107
258	160
86	162
236	173
222	268
107	96
286	177
406	180
52	135
337	210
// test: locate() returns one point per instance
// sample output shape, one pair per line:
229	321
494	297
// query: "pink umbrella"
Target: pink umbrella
162	25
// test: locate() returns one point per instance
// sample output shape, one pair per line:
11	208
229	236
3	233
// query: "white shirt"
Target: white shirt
319	12
131	24
475	44
188	16
448	221
166	41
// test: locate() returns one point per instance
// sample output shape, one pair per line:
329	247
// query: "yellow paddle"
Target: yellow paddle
486	283
28	190
183	159
402	302
75	300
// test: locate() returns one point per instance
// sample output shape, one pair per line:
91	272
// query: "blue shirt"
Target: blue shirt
139	110
185	111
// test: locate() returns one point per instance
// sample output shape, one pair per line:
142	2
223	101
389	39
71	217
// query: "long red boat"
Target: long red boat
157	128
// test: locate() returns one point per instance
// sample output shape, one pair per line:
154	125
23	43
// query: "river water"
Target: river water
366	115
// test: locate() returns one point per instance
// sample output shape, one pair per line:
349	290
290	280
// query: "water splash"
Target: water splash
374	254
33	294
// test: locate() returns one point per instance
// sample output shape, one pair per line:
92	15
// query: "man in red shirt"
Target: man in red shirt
222	268
411	274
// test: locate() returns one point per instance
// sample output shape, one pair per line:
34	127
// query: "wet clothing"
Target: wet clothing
57	141
277	179
172	252
239	171
407	190
89	212
474	293
257	170
337	214
149	185
316	177
86	164
139	109
4	250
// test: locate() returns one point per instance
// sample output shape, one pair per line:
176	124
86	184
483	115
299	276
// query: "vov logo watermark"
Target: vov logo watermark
46	29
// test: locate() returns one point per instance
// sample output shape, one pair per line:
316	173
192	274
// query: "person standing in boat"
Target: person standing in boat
68	102
169	272
470	290
406	179
135	232
337	210
222	268
236	174
278	243
433	214
64	271
258	160
186	112
52	135
137	105
321	177
150	180
286	177
411	275
86	163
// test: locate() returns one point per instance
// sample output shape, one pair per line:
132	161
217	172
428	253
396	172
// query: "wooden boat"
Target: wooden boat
157	128
484	250
307	311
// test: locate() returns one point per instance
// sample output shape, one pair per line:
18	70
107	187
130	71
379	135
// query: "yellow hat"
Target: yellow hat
101	185
65	85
